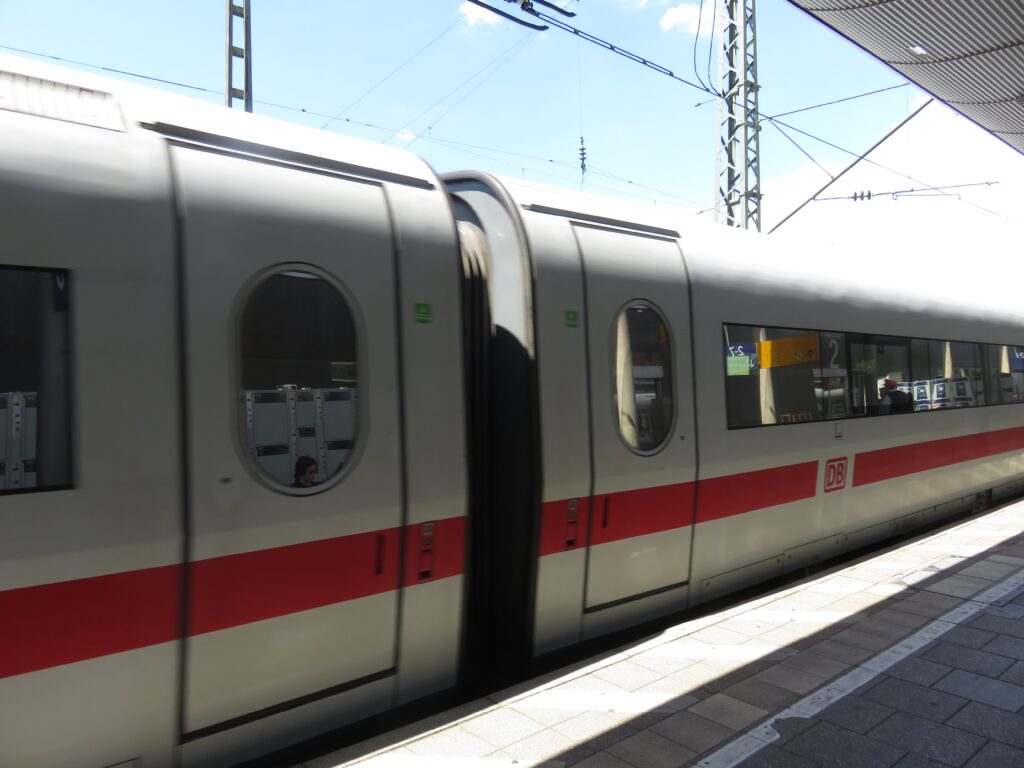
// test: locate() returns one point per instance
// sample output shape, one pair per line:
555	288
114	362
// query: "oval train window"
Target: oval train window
643	377
299	379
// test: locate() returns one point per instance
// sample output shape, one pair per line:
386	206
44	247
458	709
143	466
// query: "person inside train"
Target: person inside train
305	472
893	400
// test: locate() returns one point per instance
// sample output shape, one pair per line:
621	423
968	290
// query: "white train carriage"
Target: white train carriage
837	480
664	462
294	432
167	594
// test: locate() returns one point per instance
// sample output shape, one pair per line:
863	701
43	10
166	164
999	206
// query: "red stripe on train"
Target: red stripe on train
252	586
719	497
627	514
53	624
888	463
617	516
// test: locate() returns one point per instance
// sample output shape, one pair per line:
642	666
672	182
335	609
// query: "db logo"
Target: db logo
835	475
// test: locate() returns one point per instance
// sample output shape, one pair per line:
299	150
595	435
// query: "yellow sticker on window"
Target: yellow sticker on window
792	350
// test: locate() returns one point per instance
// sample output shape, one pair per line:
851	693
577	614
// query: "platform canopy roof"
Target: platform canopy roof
966	53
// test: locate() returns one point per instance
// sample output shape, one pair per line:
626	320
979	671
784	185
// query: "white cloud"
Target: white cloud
405	135
635	5
474	15
685	17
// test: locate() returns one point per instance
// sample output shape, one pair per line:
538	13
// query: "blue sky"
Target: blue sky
484	93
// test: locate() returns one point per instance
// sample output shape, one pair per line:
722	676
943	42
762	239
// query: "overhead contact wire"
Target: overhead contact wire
911	191
392	73
696	40
863	156
839	101
497	63
559	24
797	145
111	69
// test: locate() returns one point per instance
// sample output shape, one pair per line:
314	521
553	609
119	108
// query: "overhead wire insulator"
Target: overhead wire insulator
583	158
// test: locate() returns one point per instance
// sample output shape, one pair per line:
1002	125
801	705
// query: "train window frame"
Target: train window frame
239	392
613	357
1017	353
730	349
873	404
993	355
856	336
60	364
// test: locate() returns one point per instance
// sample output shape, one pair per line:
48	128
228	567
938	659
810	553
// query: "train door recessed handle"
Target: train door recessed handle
571	522
425	567
604	515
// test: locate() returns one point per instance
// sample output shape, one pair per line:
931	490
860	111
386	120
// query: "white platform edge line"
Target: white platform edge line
750	743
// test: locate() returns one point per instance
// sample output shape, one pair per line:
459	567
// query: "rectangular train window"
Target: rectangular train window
950	374
790	376
1015	356
1003	373
35	391
880	377
777	376
830	379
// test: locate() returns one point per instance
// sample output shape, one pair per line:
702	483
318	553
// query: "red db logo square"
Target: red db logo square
835	474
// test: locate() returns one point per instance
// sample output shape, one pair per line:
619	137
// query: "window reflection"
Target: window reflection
35	382
786	375
831	380
1003	373
880	375
777	376
643	377
299	379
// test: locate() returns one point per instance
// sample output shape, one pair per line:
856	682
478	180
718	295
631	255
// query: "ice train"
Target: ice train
294	431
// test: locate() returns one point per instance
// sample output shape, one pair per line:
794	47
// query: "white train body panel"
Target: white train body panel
82	199
176	588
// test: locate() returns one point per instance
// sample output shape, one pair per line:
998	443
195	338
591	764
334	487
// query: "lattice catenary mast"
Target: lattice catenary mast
738	164
236	53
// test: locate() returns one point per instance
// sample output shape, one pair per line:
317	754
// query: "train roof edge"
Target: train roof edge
786	268
142	107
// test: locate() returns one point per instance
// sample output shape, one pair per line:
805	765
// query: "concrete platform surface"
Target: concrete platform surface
910	658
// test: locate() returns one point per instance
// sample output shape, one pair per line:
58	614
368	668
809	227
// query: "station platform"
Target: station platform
908	657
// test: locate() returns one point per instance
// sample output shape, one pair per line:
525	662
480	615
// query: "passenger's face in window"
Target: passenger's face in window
309	476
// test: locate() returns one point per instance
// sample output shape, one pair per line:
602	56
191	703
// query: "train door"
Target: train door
643	441
295	488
